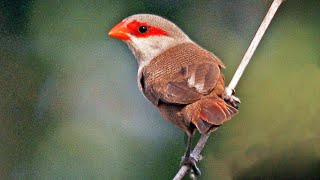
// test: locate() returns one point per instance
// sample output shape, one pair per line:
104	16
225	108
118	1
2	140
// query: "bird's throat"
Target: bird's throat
146	49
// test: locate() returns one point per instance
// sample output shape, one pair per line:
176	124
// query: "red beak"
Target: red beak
120	31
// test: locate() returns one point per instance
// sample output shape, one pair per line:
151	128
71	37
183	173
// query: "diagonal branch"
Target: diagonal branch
254	44
235	79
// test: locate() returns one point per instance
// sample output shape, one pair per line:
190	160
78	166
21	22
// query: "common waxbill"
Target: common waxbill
180	78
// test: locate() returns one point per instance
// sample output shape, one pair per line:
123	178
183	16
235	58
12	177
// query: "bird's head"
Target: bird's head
148	35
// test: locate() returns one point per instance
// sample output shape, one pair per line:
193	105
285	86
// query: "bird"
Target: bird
180	78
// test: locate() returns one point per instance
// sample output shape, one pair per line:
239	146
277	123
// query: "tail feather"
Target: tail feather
213	113
207	114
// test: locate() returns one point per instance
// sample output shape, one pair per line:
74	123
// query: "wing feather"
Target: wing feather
182	74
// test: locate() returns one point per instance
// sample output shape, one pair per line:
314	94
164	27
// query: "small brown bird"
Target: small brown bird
180	78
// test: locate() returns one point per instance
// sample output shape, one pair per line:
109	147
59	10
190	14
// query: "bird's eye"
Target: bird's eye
143	29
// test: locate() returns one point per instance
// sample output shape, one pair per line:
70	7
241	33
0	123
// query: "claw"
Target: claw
232	100
192	163
236	99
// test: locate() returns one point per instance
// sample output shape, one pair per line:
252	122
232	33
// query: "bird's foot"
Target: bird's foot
192	163
232	100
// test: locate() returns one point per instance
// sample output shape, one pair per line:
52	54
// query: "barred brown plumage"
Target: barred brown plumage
180	78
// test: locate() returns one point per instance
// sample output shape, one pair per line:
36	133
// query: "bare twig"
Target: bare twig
235	79
254	44
195	154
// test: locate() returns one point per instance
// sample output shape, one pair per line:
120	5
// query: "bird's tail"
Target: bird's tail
209	113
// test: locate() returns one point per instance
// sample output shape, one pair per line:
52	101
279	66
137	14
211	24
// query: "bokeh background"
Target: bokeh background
70	107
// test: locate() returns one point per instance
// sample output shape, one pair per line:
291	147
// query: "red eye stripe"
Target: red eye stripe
133	27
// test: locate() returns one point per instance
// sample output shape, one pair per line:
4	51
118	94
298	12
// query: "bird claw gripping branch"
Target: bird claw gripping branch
192	163
232	100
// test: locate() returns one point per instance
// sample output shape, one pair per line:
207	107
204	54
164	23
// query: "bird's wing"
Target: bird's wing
181	75
191	83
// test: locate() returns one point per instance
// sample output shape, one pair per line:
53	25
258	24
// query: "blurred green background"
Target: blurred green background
70	107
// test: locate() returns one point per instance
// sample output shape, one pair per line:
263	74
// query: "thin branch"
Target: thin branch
235	79
254	44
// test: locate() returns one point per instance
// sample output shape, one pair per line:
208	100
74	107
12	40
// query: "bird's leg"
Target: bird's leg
232	100
188	146
187	159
